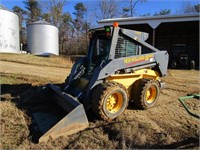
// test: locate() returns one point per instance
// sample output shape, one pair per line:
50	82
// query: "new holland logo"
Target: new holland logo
138	59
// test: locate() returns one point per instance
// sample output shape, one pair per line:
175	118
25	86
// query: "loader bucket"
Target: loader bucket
75	119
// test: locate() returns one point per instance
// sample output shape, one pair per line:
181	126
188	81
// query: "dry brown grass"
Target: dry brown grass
15	79
165	126
94	138
53	61
14	126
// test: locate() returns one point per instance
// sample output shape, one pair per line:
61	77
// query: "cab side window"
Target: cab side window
126	47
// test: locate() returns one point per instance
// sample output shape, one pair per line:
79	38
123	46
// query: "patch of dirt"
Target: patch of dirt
194	105
167	125
53	61
58	74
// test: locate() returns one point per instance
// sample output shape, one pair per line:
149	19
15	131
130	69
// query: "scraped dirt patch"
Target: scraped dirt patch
194	105
167	125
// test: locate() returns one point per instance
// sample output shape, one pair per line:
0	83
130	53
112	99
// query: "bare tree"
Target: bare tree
21	14
46	16
80	11
106	9
163	12
188	8
53	12
56	11
33	10
130	10
80	28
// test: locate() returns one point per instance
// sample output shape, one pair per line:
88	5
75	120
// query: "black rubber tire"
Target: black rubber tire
173	64
100	98
139	90
192	64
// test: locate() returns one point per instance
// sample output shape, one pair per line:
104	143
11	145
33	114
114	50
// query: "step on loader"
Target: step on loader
120	67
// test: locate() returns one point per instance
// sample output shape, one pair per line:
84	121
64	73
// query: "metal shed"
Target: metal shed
175	33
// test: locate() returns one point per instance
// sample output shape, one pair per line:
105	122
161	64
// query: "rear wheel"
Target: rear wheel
173	64
146	94
192	64
109	100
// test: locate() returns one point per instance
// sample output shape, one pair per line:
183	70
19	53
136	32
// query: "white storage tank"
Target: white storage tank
9	31
42	38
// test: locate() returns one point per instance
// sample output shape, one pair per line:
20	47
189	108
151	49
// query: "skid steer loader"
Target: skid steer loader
119	67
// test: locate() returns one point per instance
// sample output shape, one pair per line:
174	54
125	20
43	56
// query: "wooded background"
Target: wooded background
73	27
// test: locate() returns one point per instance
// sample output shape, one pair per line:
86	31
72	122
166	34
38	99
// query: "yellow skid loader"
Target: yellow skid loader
119	67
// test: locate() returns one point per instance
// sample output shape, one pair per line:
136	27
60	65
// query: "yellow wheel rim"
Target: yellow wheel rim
114	102
151	94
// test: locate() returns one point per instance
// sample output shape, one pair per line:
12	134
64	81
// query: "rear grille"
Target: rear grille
125	48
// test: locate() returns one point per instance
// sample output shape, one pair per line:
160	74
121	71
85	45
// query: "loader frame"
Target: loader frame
158	59
76	102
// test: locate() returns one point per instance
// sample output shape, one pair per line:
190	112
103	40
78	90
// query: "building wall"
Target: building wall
174	37
177	38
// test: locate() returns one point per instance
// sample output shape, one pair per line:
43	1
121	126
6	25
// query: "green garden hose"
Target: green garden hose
182	100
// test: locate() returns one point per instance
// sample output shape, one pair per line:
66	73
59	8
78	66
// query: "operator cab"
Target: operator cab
99	48
100	51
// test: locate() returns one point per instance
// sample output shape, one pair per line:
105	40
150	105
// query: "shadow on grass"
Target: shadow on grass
30	99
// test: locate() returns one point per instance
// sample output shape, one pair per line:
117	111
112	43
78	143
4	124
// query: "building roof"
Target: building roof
153	21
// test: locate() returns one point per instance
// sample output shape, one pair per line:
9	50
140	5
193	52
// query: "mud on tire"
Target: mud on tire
145	93
109	100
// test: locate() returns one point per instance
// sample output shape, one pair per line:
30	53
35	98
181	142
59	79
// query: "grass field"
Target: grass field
167	125
53	61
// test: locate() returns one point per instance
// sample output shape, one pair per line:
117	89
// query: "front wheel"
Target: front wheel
109	100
